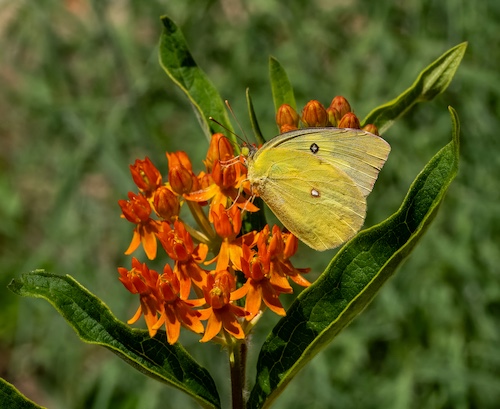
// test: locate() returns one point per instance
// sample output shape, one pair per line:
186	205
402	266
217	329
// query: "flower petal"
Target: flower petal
214	325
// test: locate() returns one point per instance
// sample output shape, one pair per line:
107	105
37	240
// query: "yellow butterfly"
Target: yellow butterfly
316	181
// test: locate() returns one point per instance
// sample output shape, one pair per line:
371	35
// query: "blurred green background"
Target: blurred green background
82	96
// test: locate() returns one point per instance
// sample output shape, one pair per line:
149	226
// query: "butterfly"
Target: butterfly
316	181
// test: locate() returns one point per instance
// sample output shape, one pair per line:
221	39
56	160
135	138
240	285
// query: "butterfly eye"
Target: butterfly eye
314	148
315	193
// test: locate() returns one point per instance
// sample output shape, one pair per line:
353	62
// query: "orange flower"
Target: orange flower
259	286
226	178
141	280
227	174
176	312
137	210
146	176
227	224
179	245
221	314
281	247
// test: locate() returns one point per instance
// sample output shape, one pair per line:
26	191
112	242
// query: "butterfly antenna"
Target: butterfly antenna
211	118
230	109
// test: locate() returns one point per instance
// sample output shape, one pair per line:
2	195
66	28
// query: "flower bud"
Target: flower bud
220	149
179	159
371	128
287	128
166	203
287	116
333	116
314	114
180	180
349	120
180	175
341	105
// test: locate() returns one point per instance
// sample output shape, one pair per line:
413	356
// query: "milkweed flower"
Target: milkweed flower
146	176
259	285
282	246
221	313
227	224
137	210
227	174
176	311
180	247
141	280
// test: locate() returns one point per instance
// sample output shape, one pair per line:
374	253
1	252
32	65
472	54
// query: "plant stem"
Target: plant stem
237	363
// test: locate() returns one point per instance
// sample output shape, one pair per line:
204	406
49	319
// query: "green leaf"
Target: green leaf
253	120
180	66
280	85
11	398
431	82
352	279
95	324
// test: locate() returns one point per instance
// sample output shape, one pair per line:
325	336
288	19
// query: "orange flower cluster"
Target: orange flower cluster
314	114
254	265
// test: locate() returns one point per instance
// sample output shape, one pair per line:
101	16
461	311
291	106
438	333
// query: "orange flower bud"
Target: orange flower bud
166	203
180	175
287	128
349	120
180	180
220	149
333	116
371	128
286	115
146	176
314	114
179	159
341	105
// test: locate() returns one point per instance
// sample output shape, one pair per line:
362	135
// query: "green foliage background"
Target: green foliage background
82	95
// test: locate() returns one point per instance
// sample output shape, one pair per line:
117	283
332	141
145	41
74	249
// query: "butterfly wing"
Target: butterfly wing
316	201
359	154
